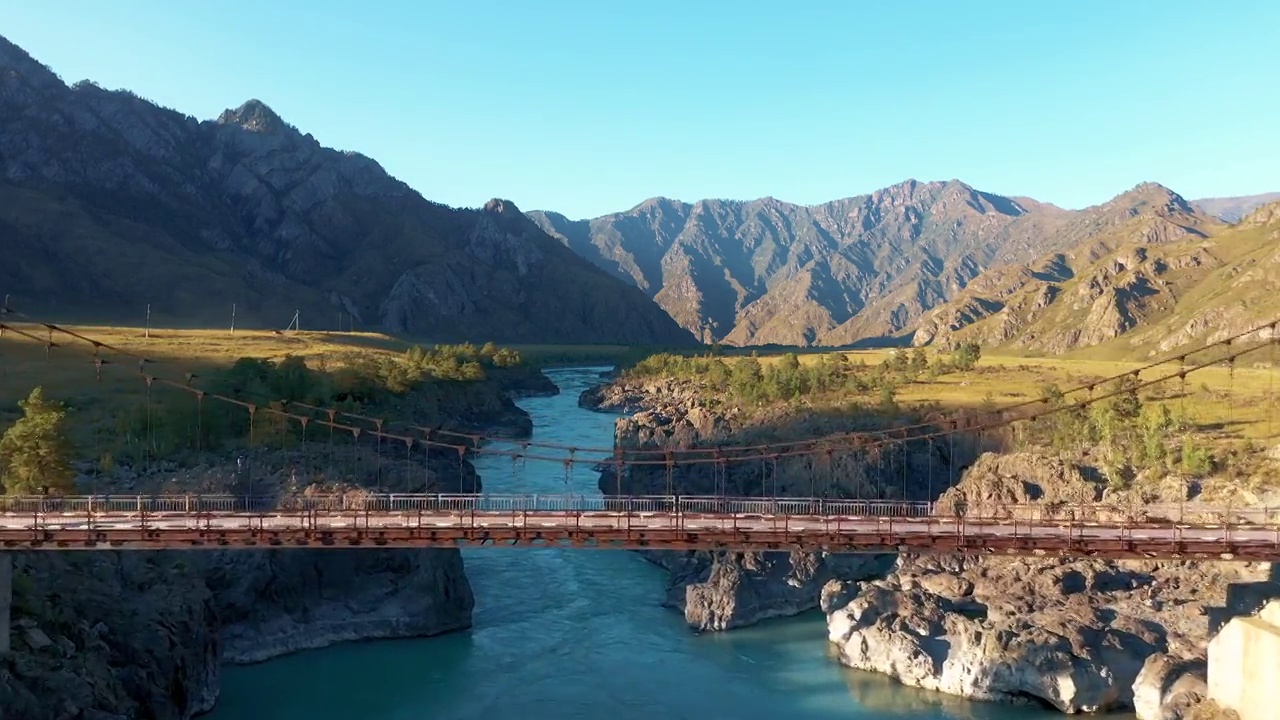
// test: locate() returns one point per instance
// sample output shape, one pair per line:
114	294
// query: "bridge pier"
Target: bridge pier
6	599
1244	664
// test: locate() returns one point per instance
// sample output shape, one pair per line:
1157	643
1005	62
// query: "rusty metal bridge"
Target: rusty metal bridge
666	517
219	522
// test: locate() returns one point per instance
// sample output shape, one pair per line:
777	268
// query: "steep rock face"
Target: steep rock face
123	634
134	634
274	603
142	634
109	202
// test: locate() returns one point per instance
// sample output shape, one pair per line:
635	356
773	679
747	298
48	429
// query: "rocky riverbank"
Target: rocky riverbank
103	635
723	590
109	635
1080	636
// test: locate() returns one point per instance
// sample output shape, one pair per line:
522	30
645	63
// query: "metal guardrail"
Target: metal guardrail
1012	513
416	520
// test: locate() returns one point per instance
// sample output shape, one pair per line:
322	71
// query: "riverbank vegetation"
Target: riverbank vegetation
113	415
1220	422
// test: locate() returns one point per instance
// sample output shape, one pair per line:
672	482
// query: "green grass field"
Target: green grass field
1244	400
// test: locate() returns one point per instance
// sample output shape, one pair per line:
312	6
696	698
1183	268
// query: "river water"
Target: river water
580	635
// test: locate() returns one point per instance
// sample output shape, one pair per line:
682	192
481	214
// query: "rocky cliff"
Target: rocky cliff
109	203
1078	635
723	590
106	635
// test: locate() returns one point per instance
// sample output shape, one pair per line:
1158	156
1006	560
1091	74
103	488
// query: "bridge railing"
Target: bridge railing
457	502
1012	513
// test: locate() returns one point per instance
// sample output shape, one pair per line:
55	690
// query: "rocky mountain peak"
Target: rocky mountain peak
659	205
901	193
254	116
1155	198
499	206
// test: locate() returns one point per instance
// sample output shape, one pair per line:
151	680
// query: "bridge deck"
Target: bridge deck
130	524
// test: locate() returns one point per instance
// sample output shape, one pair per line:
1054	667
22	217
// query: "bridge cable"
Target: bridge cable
929	454
1231	378
150	440
1271	381
53	327
951	460
1000	423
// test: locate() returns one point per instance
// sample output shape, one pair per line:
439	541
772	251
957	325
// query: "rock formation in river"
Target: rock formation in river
723	590
1080	635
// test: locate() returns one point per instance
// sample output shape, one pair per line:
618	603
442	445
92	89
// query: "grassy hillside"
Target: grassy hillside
1142	291
460	387
1213	436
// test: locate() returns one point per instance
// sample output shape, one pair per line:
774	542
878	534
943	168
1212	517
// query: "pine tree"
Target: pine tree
35	454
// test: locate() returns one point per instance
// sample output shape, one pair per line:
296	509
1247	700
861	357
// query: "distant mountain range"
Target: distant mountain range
1234	209
109	203
913	263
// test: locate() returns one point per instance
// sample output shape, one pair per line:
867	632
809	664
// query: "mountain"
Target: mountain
1233	209
864	268
109	203
1151	287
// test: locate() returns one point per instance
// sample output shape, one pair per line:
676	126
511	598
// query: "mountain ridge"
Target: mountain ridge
108	201
857	269
1234	209
1153	295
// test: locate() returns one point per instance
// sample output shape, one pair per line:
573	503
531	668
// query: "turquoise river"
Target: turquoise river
580	635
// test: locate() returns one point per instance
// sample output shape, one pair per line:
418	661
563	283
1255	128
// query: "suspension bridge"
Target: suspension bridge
889	521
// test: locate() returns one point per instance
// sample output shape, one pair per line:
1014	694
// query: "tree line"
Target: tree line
37	450
751	381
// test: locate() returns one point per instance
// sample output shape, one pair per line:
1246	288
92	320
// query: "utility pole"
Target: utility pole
233	318
147	332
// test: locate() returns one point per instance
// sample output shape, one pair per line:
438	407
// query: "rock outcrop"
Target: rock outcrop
1169	689
724	590
1080	635
109	634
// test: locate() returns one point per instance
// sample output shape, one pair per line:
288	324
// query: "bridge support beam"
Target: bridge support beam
1244	664
6	600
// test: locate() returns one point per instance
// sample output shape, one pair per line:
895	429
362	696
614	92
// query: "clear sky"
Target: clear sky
590	107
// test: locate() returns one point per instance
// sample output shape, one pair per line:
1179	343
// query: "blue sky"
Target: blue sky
591	107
